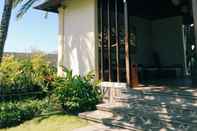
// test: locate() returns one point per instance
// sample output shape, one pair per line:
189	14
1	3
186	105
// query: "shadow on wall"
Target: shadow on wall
79	53
80	36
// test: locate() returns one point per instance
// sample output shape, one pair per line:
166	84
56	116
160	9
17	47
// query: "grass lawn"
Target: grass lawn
58	122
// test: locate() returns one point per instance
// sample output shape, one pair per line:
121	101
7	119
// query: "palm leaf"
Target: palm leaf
16	2
25	7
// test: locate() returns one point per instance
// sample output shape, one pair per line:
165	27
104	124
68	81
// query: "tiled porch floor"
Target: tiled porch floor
171	106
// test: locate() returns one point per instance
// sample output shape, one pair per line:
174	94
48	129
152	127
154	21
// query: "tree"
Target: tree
5	20
7	11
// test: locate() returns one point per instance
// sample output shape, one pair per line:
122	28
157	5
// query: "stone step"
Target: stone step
158	100
107	118
96	116
162	112
109	107
147	110
189	94
147	114
180	106
170	94
139	121
128	98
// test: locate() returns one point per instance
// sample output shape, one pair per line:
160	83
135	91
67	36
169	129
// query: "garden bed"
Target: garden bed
30	88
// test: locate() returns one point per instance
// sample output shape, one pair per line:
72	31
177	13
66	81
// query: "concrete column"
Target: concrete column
61	41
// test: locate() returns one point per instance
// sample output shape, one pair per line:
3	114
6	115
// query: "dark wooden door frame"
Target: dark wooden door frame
101	40
126	40
117	41
127	50
109	39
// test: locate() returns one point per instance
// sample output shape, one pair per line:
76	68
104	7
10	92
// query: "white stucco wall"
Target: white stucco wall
163	36
80	35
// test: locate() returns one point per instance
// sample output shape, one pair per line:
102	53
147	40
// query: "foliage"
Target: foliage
43	71
14	113
22	81
72	93
21	76
77	93
25	6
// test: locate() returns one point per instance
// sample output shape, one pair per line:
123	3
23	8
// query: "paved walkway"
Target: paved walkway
99	127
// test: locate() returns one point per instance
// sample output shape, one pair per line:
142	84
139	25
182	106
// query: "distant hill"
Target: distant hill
51	57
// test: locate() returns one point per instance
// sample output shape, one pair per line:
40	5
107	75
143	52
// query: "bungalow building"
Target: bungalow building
126	41
133	43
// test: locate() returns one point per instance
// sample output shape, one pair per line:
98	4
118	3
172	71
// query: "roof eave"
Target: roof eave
49	6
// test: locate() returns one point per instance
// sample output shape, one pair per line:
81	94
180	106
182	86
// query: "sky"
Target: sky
32	32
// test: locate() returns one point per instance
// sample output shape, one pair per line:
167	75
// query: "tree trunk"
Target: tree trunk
7	11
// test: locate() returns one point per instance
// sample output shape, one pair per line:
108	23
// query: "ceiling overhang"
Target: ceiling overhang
150	9
157	9
49	6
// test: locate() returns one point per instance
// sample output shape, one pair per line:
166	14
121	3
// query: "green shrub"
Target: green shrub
76	93
14	113
23	76
23	82
43	72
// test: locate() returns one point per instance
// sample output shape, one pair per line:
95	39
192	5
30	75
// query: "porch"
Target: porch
145	45
149	108
145	41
